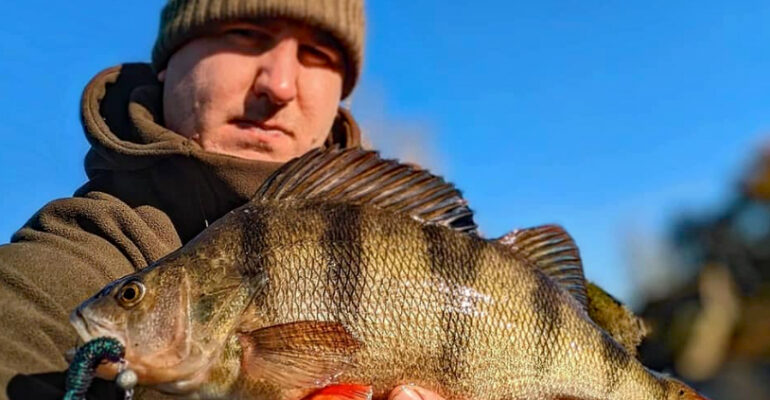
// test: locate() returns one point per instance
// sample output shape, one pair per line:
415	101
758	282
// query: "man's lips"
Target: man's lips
262	126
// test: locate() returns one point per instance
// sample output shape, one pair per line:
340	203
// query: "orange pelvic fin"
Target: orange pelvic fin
342	392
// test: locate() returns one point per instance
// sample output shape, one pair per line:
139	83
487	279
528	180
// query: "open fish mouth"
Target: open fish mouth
80	325
88	329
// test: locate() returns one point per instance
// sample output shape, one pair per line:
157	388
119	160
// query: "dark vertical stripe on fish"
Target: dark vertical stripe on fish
454	268
548	320
343	252
255	244
254	241
617	360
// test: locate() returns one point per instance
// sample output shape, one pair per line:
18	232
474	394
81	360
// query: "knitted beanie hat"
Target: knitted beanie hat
183	20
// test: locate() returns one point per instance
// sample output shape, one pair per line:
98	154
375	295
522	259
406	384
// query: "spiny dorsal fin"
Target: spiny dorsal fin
358	176
554	252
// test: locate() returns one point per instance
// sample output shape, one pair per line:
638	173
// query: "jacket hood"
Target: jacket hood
136	159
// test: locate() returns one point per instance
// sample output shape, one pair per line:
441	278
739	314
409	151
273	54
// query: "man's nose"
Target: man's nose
277	76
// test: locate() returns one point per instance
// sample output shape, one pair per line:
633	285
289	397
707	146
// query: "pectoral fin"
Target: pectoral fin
302	354
342	392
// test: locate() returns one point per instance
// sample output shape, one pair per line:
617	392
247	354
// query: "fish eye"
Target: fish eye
130	294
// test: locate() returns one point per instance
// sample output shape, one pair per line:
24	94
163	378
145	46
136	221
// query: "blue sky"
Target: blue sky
607	117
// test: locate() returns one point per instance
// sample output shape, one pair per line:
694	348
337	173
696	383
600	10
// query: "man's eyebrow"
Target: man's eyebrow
326	40
315	36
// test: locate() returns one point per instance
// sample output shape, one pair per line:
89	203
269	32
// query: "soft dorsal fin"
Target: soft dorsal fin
358	176
615	318
552	250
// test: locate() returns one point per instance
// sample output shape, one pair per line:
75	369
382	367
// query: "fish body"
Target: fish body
288	294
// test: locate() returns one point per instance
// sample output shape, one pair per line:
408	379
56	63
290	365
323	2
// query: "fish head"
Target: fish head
678	390
147	312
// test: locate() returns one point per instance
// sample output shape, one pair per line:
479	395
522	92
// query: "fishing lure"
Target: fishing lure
81	371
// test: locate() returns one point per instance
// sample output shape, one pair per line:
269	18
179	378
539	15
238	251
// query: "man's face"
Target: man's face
262	91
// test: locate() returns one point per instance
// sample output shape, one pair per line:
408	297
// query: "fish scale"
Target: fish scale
326	282
457	330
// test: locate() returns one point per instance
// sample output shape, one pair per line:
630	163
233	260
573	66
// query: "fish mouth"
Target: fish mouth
89	329
80	325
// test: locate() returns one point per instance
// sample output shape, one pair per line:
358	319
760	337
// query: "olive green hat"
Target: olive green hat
183	20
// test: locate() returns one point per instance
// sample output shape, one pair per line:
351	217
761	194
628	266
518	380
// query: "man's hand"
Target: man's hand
409	392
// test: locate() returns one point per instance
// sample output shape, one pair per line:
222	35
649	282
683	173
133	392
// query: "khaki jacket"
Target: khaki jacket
149	191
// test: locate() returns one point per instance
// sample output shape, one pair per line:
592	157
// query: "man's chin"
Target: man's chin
280	151
267	155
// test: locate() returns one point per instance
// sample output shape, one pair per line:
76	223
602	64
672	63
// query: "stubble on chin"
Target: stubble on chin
259	147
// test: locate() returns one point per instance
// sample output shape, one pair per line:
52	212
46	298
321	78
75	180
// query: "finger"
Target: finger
409	392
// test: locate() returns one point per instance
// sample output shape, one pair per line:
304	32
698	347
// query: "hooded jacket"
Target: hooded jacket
149	191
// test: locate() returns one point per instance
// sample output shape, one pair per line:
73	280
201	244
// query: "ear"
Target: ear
162	76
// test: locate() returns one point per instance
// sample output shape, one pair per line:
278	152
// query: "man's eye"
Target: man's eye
313	56
248	36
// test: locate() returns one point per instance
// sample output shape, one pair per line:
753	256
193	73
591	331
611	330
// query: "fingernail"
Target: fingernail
407	393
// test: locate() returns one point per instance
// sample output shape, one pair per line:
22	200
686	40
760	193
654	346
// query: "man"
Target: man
236	87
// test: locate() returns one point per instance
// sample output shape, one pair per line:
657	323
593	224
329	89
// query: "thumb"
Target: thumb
409	392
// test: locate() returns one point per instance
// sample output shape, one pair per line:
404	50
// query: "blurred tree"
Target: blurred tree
714	329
